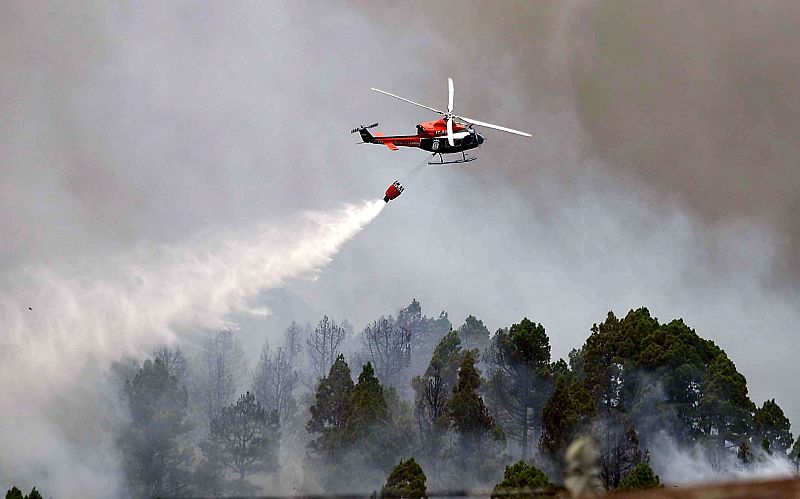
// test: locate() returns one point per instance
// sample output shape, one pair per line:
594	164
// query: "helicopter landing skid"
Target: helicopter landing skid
465	159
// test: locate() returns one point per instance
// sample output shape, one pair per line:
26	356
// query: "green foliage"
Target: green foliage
765	446
468	414
526	343
425	332
358	435
566	412
725	406
156	463
773	425
520	380
446	358
330	410
640	478
367	406
474	334
407	480
439	326
519	480
244	438
15	493
697	381
412	319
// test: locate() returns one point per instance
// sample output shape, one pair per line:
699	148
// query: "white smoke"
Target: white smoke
61	327
681	466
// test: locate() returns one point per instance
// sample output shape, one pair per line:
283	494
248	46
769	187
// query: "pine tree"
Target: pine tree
468	413
330	411
520	384
433	389
156	462
567	411
520	480
367	406
244	438
407	480
771	423
15	493
640	478
474	335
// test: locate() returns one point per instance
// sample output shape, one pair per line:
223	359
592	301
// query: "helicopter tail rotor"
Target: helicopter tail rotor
362	127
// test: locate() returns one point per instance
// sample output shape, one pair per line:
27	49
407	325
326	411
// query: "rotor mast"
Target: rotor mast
449	117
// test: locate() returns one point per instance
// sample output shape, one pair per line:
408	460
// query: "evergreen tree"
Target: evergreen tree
433	389
474	336
640	478
476	457
773	426
468	413
519	384
156	462
765	446
566	412
367	406
425	332
725	409
15	493
407	480
520	480
331	408
696	380
244	438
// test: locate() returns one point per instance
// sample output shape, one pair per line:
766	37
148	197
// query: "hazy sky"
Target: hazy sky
663	173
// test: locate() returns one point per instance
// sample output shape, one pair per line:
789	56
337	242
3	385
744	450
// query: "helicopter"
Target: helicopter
450	134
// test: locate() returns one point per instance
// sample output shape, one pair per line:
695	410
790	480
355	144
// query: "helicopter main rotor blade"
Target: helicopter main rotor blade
450	139
409	101
496	127
450	96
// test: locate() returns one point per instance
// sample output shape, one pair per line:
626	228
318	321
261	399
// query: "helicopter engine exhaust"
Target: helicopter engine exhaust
393	191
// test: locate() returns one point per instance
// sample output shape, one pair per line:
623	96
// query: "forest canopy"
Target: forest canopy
327	409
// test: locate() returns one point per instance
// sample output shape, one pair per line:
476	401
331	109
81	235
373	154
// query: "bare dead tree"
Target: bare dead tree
324	345
293	342
173	361
220	369
619	449
430	407
388	347
274	381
